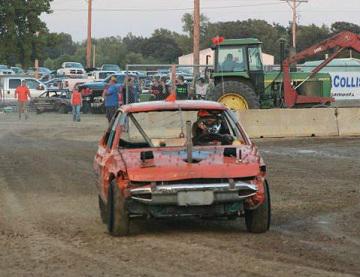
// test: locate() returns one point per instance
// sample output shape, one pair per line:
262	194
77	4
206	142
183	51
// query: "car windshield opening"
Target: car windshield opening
166	129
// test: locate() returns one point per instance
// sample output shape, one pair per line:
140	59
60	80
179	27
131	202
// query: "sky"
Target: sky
142	17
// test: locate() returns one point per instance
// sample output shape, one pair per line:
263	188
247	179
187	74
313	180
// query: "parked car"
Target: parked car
7	72
8	85
110	67
101	75
42	71
72	70
54	83
17	70
181	158
53	100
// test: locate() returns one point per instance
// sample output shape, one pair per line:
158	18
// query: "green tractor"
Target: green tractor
241	83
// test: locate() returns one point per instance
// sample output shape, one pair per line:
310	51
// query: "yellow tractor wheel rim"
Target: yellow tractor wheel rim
234	101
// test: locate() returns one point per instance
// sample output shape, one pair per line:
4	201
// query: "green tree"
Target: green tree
58	44
20	25
310	35
340	26
188	24
268	34
162	46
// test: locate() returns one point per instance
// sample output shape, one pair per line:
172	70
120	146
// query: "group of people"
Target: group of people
23	95
115	95
161	90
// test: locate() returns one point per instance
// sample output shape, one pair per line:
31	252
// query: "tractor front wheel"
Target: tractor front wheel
236	95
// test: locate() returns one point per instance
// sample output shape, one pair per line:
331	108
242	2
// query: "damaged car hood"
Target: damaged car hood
171	164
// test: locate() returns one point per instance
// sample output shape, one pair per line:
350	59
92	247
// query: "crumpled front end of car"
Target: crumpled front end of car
219	181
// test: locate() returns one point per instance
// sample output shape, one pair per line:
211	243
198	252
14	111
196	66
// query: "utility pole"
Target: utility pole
88	46
294	4
94	56
196	35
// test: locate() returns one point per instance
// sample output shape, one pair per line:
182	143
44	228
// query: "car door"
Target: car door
51	100
40	102
13	83
103	155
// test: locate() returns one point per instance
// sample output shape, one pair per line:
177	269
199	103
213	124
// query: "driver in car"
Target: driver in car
209	129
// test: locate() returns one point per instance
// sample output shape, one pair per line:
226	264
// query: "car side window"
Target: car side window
14	83
112	129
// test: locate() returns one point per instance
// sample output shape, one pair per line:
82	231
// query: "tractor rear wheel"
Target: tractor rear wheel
236	95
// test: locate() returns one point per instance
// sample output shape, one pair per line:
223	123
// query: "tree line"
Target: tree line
25	37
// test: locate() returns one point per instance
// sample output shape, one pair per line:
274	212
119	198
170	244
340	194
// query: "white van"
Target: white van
8	85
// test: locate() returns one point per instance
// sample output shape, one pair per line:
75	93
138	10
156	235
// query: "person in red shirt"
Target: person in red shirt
22	93
76	103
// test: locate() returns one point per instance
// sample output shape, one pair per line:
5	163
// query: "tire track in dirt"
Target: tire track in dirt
49	222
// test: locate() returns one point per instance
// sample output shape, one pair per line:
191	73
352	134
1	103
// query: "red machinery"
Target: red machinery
341	41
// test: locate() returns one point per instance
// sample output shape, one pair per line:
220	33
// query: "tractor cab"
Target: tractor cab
238	73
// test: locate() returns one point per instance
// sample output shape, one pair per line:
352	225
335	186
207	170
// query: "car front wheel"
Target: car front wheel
103	211
118	218
63	109
258	220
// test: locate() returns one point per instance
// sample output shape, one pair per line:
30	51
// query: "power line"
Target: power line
167	9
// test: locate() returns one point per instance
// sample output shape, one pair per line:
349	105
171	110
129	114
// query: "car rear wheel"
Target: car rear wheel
63	109
258	220
118	218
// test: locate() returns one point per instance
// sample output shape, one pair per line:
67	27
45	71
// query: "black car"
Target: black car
53	100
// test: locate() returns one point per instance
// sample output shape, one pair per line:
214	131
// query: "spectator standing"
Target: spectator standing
110	94
201	88
156	89
128	97
182	90
76	103
22	93
165	89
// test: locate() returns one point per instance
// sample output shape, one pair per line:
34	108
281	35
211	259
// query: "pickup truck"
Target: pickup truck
8	85
72	70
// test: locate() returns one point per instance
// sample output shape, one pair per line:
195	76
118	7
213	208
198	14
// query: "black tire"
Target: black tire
118	218
38	111
63	109
86	108
103	211
258	220
242	89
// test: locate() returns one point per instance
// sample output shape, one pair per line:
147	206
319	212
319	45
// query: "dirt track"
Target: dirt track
49	222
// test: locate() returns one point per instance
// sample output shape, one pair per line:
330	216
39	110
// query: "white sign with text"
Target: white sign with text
345	85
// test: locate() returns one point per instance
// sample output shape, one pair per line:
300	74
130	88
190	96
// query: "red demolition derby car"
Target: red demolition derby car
182	158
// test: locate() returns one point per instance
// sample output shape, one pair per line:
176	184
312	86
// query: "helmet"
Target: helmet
210	120
203	113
